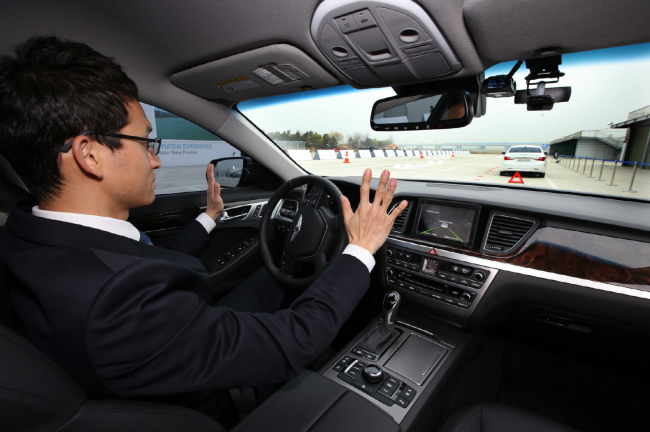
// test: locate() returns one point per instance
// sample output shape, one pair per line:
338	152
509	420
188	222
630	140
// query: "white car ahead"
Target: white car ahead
524	159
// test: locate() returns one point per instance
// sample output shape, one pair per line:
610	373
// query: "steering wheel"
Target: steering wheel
316	236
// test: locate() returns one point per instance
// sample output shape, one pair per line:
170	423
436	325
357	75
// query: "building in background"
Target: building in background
638	136
600	144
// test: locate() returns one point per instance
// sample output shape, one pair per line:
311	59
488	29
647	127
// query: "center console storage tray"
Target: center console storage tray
416	358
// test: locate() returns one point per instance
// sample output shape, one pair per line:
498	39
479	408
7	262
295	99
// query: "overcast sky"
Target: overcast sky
603	91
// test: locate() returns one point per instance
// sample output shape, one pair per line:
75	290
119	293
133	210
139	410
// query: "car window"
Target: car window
185	151
601	133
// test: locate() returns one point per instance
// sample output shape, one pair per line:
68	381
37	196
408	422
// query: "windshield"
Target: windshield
596	143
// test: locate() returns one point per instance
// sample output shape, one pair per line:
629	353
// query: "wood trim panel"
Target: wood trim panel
577	254
587	256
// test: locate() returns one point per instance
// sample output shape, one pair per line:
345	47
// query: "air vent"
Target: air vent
290	205
398	226
288	209
506	232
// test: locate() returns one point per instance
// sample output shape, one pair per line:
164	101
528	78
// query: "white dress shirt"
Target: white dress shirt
126	229
109	224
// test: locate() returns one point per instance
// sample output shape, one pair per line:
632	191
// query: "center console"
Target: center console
394	367
395	374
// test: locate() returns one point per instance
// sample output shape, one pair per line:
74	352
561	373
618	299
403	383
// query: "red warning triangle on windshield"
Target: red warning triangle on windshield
516	178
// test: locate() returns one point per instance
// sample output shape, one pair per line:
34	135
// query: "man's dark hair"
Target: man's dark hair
52	90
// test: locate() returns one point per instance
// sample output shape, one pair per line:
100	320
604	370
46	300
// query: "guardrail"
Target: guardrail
573	163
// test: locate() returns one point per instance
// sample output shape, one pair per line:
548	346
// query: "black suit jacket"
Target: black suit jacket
132	320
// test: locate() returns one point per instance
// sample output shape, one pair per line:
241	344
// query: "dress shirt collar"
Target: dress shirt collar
108	224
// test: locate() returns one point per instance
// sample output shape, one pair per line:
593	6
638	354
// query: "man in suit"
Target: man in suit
123	317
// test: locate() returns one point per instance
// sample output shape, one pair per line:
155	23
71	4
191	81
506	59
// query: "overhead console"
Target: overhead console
382	42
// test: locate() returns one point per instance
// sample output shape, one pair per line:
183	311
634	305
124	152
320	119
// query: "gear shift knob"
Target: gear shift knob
392	300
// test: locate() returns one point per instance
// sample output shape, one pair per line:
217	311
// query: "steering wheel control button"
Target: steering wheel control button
312	198
287	262
373	374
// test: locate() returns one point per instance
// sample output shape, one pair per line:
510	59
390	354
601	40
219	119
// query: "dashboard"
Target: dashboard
456	244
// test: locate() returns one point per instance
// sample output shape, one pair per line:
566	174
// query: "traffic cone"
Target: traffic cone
347	159
421	155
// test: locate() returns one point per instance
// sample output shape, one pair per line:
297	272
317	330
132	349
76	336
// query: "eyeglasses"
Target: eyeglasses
153	144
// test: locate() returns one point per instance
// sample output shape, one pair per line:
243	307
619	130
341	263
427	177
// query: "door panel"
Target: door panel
232	253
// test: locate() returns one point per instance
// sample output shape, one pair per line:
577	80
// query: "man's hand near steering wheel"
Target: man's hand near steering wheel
369	226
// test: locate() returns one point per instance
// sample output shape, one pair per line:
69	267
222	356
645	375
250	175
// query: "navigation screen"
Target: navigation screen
450	224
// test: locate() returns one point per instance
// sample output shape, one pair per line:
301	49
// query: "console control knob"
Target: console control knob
466	297
480	276
373	373
389	252
390	272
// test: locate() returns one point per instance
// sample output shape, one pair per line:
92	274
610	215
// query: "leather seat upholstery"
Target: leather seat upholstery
500	418
37	395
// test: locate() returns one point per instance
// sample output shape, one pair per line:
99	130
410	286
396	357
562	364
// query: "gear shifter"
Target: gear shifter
392	300
385	333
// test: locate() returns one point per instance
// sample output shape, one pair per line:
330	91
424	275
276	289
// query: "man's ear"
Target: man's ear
88	154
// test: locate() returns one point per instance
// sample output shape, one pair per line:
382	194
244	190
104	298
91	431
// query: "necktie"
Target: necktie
145	239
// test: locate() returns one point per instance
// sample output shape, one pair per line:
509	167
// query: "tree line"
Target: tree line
333	140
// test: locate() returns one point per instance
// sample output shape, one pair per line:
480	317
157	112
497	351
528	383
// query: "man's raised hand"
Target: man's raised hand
214	206
370	225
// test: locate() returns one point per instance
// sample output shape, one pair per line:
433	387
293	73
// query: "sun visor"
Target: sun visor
268	71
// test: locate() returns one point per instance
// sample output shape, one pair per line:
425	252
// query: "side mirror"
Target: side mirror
233	172
503	152
446	110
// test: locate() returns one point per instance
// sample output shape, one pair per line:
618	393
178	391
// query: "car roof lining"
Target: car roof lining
153	40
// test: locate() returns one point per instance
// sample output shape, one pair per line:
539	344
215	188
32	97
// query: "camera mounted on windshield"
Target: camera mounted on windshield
501	85
542	71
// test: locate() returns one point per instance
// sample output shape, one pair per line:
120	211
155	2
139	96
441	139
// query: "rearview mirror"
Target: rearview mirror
447	110
233	171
